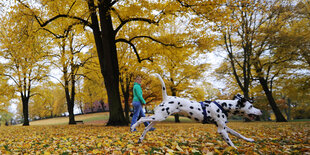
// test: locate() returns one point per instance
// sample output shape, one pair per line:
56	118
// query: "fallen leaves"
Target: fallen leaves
171	138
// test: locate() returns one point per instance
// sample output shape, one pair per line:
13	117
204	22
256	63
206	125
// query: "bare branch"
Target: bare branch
155	40
123	22
43	24
134	49
114	2
56	79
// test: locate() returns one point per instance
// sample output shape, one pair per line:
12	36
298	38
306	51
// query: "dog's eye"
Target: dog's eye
251	107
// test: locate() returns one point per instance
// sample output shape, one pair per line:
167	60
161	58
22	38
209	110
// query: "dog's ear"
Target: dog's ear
238	96
241	102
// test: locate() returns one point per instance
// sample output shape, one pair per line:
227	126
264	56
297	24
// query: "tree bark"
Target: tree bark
70	104
277	112
107	54
25	100
176	116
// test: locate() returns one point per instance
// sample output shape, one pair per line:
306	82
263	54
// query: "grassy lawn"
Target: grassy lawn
102	117
64	120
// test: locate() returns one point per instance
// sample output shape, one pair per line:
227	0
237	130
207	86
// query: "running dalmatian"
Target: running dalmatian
215	112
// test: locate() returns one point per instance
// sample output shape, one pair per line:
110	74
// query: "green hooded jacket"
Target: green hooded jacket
137	93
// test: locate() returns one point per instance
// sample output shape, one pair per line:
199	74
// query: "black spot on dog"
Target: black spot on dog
230	105
224	104
192	102
223	116
207	105
224	128
216	125
164	88
208	111
179	103
163	109
189	117
196	119
218	110
191	107
218	115
199	109
167	109
190	113
153	118
171	102
227	139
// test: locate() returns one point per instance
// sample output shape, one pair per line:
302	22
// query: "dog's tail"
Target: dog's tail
164	92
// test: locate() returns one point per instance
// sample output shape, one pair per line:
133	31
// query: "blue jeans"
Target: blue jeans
137	111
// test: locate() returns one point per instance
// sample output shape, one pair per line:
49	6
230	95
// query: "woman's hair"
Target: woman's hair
138	77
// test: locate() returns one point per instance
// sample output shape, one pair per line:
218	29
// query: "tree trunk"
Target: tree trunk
126	92
107	54
277	112
25	101
176	116
110	65
289	102
70	103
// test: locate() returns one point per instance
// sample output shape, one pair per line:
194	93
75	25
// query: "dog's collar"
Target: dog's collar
204	112
223	110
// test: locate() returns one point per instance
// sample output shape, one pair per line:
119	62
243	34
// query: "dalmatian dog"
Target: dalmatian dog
215	112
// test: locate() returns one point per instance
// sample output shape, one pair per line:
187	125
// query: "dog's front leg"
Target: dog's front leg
141	120
222	131
146	130
231	131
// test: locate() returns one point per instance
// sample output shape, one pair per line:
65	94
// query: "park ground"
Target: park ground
55	137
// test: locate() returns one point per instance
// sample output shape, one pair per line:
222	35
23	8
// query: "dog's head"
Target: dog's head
246	108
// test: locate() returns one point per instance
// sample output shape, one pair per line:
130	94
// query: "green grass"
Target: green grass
95	118
65	120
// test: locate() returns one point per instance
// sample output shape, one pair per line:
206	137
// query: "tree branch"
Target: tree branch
123	22
134	49
43	24
155	40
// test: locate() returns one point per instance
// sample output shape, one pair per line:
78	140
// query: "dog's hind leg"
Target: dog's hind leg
146	130
231	131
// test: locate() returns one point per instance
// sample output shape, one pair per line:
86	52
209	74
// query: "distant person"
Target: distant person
137	102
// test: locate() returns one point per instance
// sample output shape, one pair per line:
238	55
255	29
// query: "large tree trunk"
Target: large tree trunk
25	101
106	49
277	112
